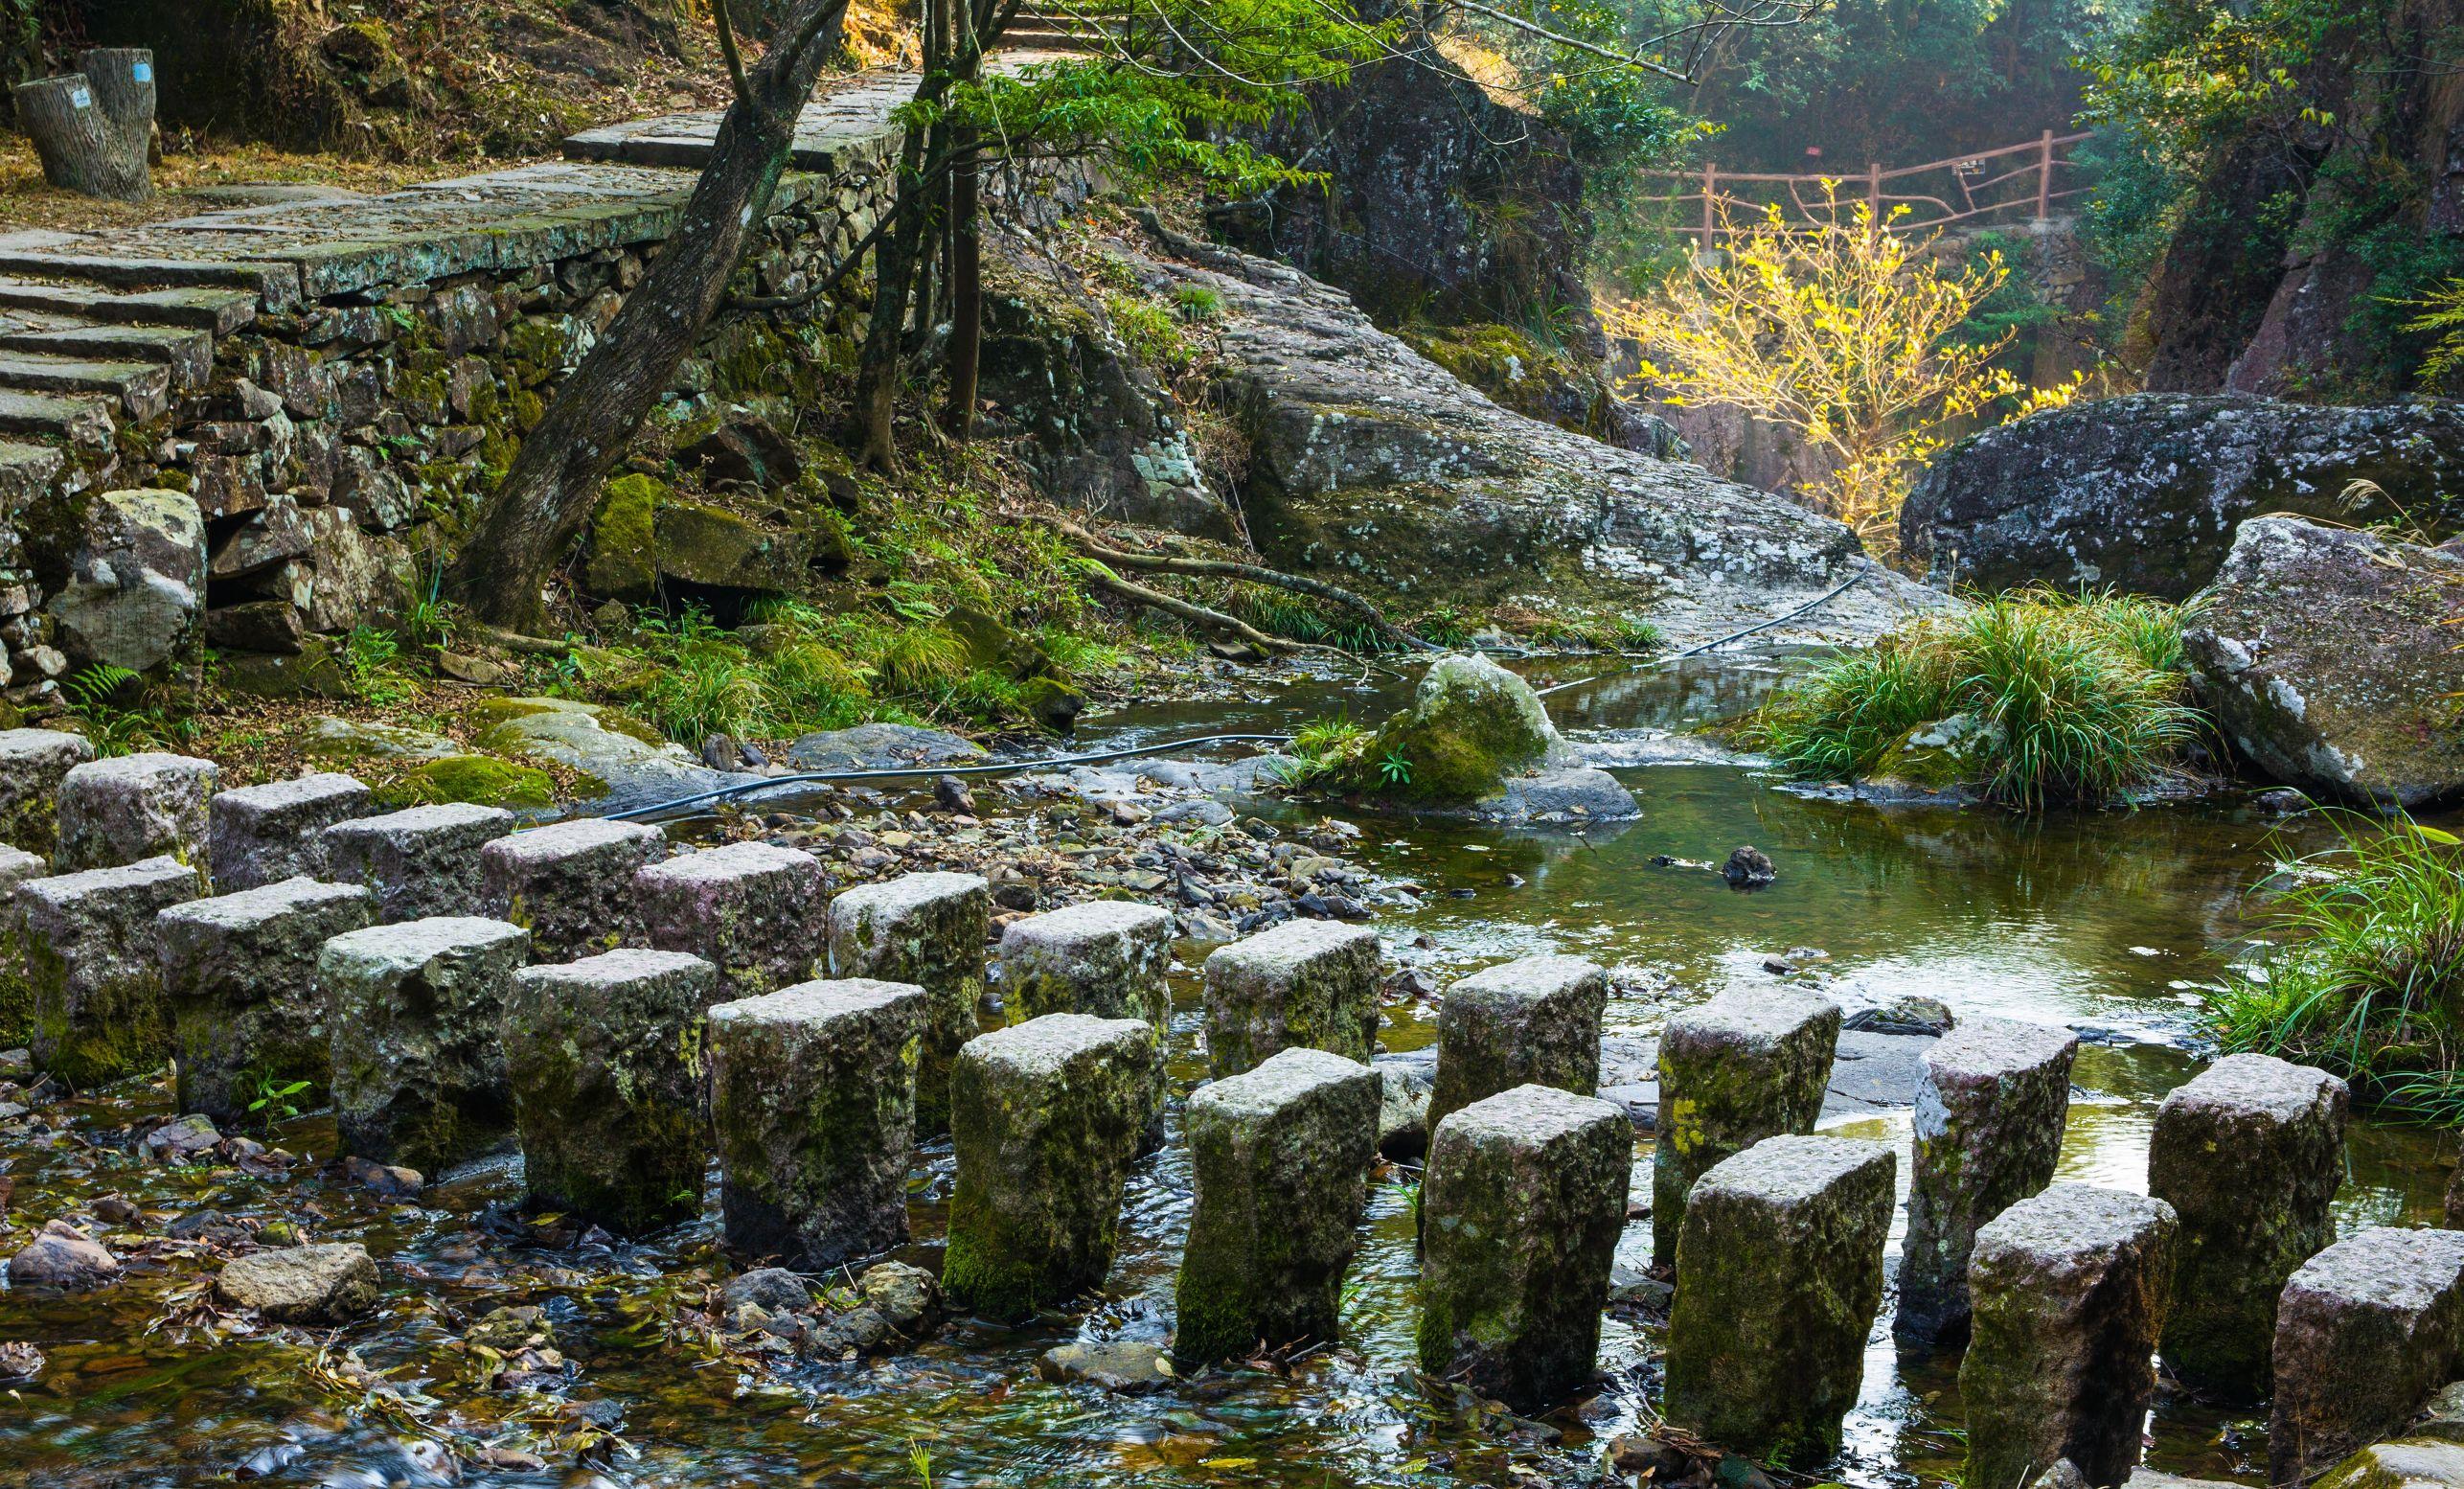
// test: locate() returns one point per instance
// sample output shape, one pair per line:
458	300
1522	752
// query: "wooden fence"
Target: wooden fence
2015	182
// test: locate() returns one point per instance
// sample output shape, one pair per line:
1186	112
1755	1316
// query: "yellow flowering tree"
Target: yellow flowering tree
1843	332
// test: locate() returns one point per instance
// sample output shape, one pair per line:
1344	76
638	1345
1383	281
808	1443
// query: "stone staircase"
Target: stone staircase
1049	26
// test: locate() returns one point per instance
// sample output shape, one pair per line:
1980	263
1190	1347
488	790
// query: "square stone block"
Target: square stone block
928	930
422	863
570	884
239	972
415	1014
1105	959
1308	984
33	762
1534	1022
754	911
262	835
135	807
94	969
1733	1072
2365	1331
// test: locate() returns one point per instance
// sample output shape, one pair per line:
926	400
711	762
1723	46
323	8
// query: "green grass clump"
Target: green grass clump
2080	696
690	678
1323	749
2362	971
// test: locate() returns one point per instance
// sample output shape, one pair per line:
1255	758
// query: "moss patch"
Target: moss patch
470	778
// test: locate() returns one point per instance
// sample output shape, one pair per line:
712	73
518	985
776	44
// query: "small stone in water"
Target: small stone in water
1126	1367
389	1179
1748	868
303	1284
64	1257
771	1289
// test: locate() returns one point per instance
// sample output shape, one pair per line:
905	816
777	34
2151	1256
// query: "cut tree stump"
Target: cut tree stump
92	128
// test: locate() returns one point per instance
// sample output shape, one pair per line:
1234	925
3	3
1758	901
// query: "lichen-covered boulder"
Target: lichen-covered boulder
240	973
1304	984
134	807
1734	1071
1535	1020
1046	1117
262	835
1471	726
1279	1156
751	910
1521	1208
2365	1330
2249	1154
814	1102
333	1283
1106	958
1779	1274
420	862
608	746
2327	656
928	930
135	592
416	1016
17	993
570	884
603	1056
33	763
97	975
2402	1463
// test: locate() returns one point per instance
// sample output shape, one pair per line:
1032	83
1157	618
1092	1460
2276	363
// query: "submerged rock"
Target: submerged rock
1127	1367
64	1257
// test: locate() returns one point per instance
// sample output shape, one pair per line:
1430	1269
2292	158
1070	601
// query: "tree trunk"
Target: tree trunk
91	128
966	287
555	480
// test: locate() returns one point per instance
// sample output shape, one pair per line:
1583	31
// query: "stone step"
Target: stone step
220	311
78	420
187	354
276	285
27	471
143	388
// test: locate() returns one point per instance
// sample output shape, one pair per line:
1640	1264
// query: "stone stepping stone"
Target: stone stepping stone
134	807
1533	1021
262	835
601	1057
1046	1117
415	1014
1779	1276
570	884
1733	1072
240	973
752	911
1990	1111
95	970
2068	1289
1279	1157
1308	984
421	862
1105	959
2365	1331
1521	1206
812	1099
33	764
2250	1153
928	930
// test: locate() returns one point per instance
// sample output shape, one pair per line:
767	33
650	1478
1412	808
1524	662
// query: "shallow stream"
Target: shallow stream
2103	922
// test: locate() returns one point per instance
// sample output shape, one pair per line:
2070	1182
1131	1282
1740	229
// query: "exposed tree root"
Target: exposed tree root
1257	574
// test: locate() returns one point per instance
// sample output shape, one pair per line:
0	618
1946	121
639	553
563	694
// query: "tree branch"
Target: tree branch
1225	568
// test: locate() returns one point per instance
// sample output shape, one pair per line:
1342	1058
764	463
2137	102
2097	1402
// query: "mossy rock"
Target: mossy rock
1471	726
477	779
492	714
314	673
624	539
717	549
1941	757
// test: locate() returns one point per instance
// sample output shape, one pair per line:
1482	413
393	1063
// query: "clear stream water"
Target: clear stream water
2105	922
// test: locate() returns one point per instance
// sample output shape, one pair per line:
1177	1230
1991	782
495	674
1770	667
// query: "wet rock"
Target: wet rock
1748	868
773	1290
1732	1072
1989	1123
33	763
416	1012
1559	797
2405	1463
853	1332
601	1056
1530	1022
2325	654
1405	1086
262	835
1521	1208
181	1141
1047	1116
420	863
1472	726
908	1298
2249	1154
17	993
636	763
1909	1012
1305	984
2068	1289
65	1258
2365	1330
928	930
1279	1159
749	909
391	1181
21	1361
813	1098
570	884
94	969
1779	1274
1125	1367
952	794
119	811
302	1284
1104	958
881	746
240	973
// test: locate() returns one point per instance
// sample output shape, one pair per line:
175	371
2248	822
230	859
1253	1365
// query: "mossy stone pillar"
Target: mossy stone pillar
2365	1331
136	807
33	763
415	1013
570	884
420	863
240	973
262	835
17	993
1105	959
1309	984
929	930
95	971
752	911
1733	1072
1535	1022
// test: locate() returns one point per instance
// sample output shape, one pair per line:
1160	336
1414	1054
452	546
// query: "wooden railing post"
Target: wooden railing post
2045	176
1710	194
1874	189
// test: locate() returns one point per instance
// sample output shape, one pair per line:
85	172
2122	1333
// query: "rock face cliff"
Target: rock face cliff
2144	493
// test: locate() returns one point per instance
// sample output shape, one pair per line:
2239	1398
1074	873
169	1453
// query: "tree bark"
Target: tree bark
555	480
966	287
90	132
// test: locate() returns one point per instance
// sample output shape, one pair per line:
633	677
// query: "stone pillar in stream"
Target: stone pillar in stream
1779	1276
814	1101
2249	1154
1530	1022
420	863
415	1014
752	911
33	763
1521	1208
2068	1289
604	1056
928	930
1735	1071
570	884
1989	1119
135	807
1280	1158
2365	1331
262	835
17	994
1105	959
1046	1116
94	969
240	973
1308	984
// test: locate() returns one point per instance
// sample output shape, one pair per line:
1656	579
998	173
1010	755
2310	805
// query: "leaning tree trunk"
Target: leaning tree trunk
93	129
966	287
554	481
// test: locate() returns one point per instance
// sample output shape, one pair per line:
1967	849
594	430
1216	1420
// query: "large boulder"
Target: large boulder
2144	493
2328	656
135	587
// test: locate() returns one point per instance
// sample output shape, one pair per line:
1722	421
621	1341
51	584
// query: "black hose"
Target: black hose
1853	580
